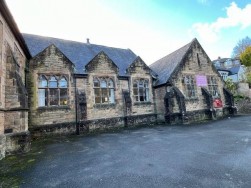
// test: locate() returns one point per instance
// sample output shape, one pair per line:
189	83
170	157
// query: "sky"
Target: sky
150	28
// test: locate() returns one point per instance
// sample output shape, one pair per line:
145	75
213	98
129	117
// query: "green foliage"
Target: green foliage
230	85
241	46
246	57
248	77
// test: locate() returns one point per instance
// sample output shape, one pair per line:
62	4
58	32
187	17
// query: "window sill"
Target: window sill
52	108
105	106
192	99
142	103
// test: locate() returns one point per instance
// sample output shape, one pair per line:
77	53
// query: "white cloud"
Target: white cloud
202	1
211	32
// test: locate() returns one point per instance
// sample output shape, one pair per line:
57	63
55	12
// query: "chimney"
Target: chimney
88	41
219	57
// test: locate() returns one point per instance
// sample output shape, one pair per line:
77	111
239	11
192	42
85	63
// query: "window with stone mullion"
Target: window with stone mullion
52	92
141	90
213	86
103	90
190	86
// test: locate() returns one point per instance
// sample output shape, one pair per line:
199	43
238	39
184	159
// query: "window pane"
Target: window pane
111	96
104	92
63	97
141	83
42	82
136	98
135	91
97	100
146	84
105	97
97	92
63	83
103	84
53	82
147	94
96	82
135	84
42	97
110	83
54	96
141	94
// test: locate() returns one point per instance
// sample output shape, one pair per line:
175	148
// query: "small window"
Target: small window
141	90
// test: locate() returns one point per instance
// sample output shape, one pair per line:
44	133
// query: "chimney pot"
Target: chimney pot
88	41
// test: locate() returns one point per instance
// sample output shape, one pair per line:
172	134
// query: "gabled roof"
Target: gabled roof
166	65
81	53
138	58
96	57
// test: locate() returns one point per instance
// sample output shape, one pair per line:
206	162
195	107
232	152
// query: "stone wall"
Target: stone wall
103	67
13	95
197	63
51	62
160	93
2	145
17	142
139	70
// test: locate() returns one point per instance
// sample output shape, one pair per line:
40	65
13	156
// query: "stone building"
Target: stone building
94	87
56	86
14	134
189	88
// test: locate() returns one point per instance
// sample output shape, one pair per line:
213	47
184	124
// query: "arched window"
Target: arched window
42	91
52	91
62	84
103	90
141	90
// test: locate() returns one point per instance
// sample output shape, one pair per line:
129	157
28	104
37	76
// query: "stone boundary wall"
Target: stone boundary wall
17	142
97	125
2	146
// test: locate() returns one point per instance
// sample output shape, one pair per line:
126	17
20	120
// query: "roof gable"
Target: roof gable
81	53
52	47
138	62
101	57
166	66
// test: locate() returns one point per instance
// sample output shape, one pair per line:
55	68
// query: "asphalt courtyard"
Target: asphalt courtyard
214	154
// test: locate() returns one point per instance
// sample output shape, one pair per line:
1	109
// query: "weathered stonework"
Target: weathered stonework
2	146
50	62
13	95
183	109
132	94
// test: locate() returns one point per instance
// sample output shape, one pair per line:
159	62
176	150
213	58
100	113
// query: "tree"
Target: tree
241	46
230	85
245	57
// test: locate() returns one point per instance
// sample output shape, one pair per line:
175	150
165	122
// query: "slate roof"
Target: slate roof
234	70
80	53
166	65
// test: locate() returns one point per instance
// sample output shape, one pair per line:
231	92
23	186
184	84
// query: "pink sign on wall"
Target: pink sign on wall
201	80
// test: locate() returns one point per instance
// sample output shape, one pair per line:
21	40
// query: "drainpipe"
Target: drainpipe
76	105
